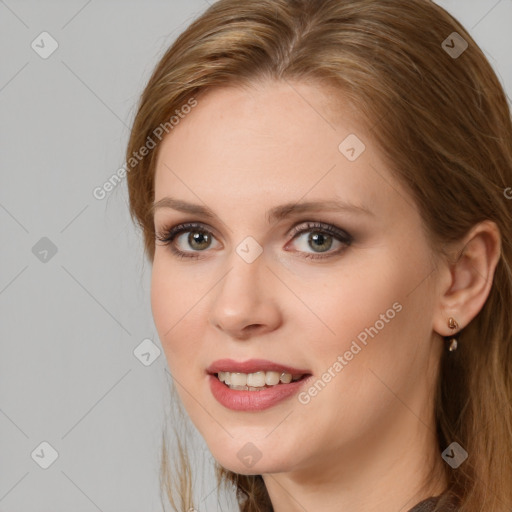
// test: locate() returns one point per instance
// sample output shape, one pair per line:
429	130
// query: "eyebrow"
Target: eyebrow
274	215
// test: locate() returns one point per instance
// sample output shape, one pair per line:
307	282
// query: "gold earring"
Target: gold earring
452	324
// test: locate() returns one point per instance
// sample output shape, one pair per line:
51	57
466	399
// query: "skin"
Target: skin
366	441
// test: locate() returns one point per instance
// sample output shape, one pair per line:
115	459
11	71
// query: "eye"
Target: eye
198	238
321	236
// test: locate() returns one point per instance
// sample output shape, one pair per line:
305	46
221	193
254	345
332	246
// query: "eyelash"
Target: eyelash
168	234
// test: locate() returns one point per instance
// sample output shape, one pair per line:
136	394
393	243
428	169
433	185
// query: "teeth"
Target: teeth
271	378
239	379
285	378
255	381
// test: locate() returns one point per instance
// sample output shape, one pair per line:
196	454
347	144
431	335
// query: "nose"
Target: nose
245	301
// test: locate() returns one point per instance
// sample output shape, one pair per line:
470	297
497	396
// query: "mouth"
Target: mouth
257	381
255	384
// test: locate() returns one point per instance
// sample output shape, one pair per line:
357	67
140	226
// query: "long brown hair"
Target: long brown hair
440	118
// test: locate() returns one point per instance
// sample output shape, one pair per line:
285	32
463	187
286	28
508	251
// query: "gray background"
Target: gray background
70	321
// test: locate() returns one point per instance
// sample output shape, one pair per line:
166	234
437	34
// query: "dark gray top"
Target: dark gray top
425	505
429	504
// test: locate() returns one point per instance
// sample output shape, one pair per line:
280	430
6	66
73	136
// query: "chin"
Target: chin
234	465
252	458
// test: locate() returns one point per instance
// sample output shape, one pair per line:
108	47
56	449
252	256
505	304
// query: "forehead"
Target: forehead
268	144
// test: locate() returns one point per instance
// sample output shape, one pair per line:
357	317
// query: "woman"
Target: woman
323	197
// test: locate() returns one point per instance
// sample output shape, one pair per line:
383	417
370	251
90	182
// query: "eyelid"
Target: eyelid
305	226
172	231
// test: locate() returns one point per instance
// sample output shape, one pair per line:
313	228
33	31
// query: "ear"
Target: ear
466	280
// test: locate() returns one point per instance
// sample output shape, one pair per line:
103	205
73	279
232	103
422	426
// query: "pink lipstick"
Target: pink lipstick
255	384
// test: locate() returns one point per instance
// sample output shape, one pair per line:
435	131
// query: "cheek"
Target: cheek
373	315
379	316
353	299
171	299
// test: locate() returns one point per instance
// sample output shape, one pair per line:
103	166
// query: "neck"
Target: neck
386	473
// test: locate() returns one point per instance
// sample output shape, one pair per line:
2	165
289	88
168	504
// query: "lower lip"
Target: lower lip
253	400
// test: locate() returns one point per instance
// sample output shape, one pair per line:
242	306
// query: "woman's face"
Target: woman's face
344	295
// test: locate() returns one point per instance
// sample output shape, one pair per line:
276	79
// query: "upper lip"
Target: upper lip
252	366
